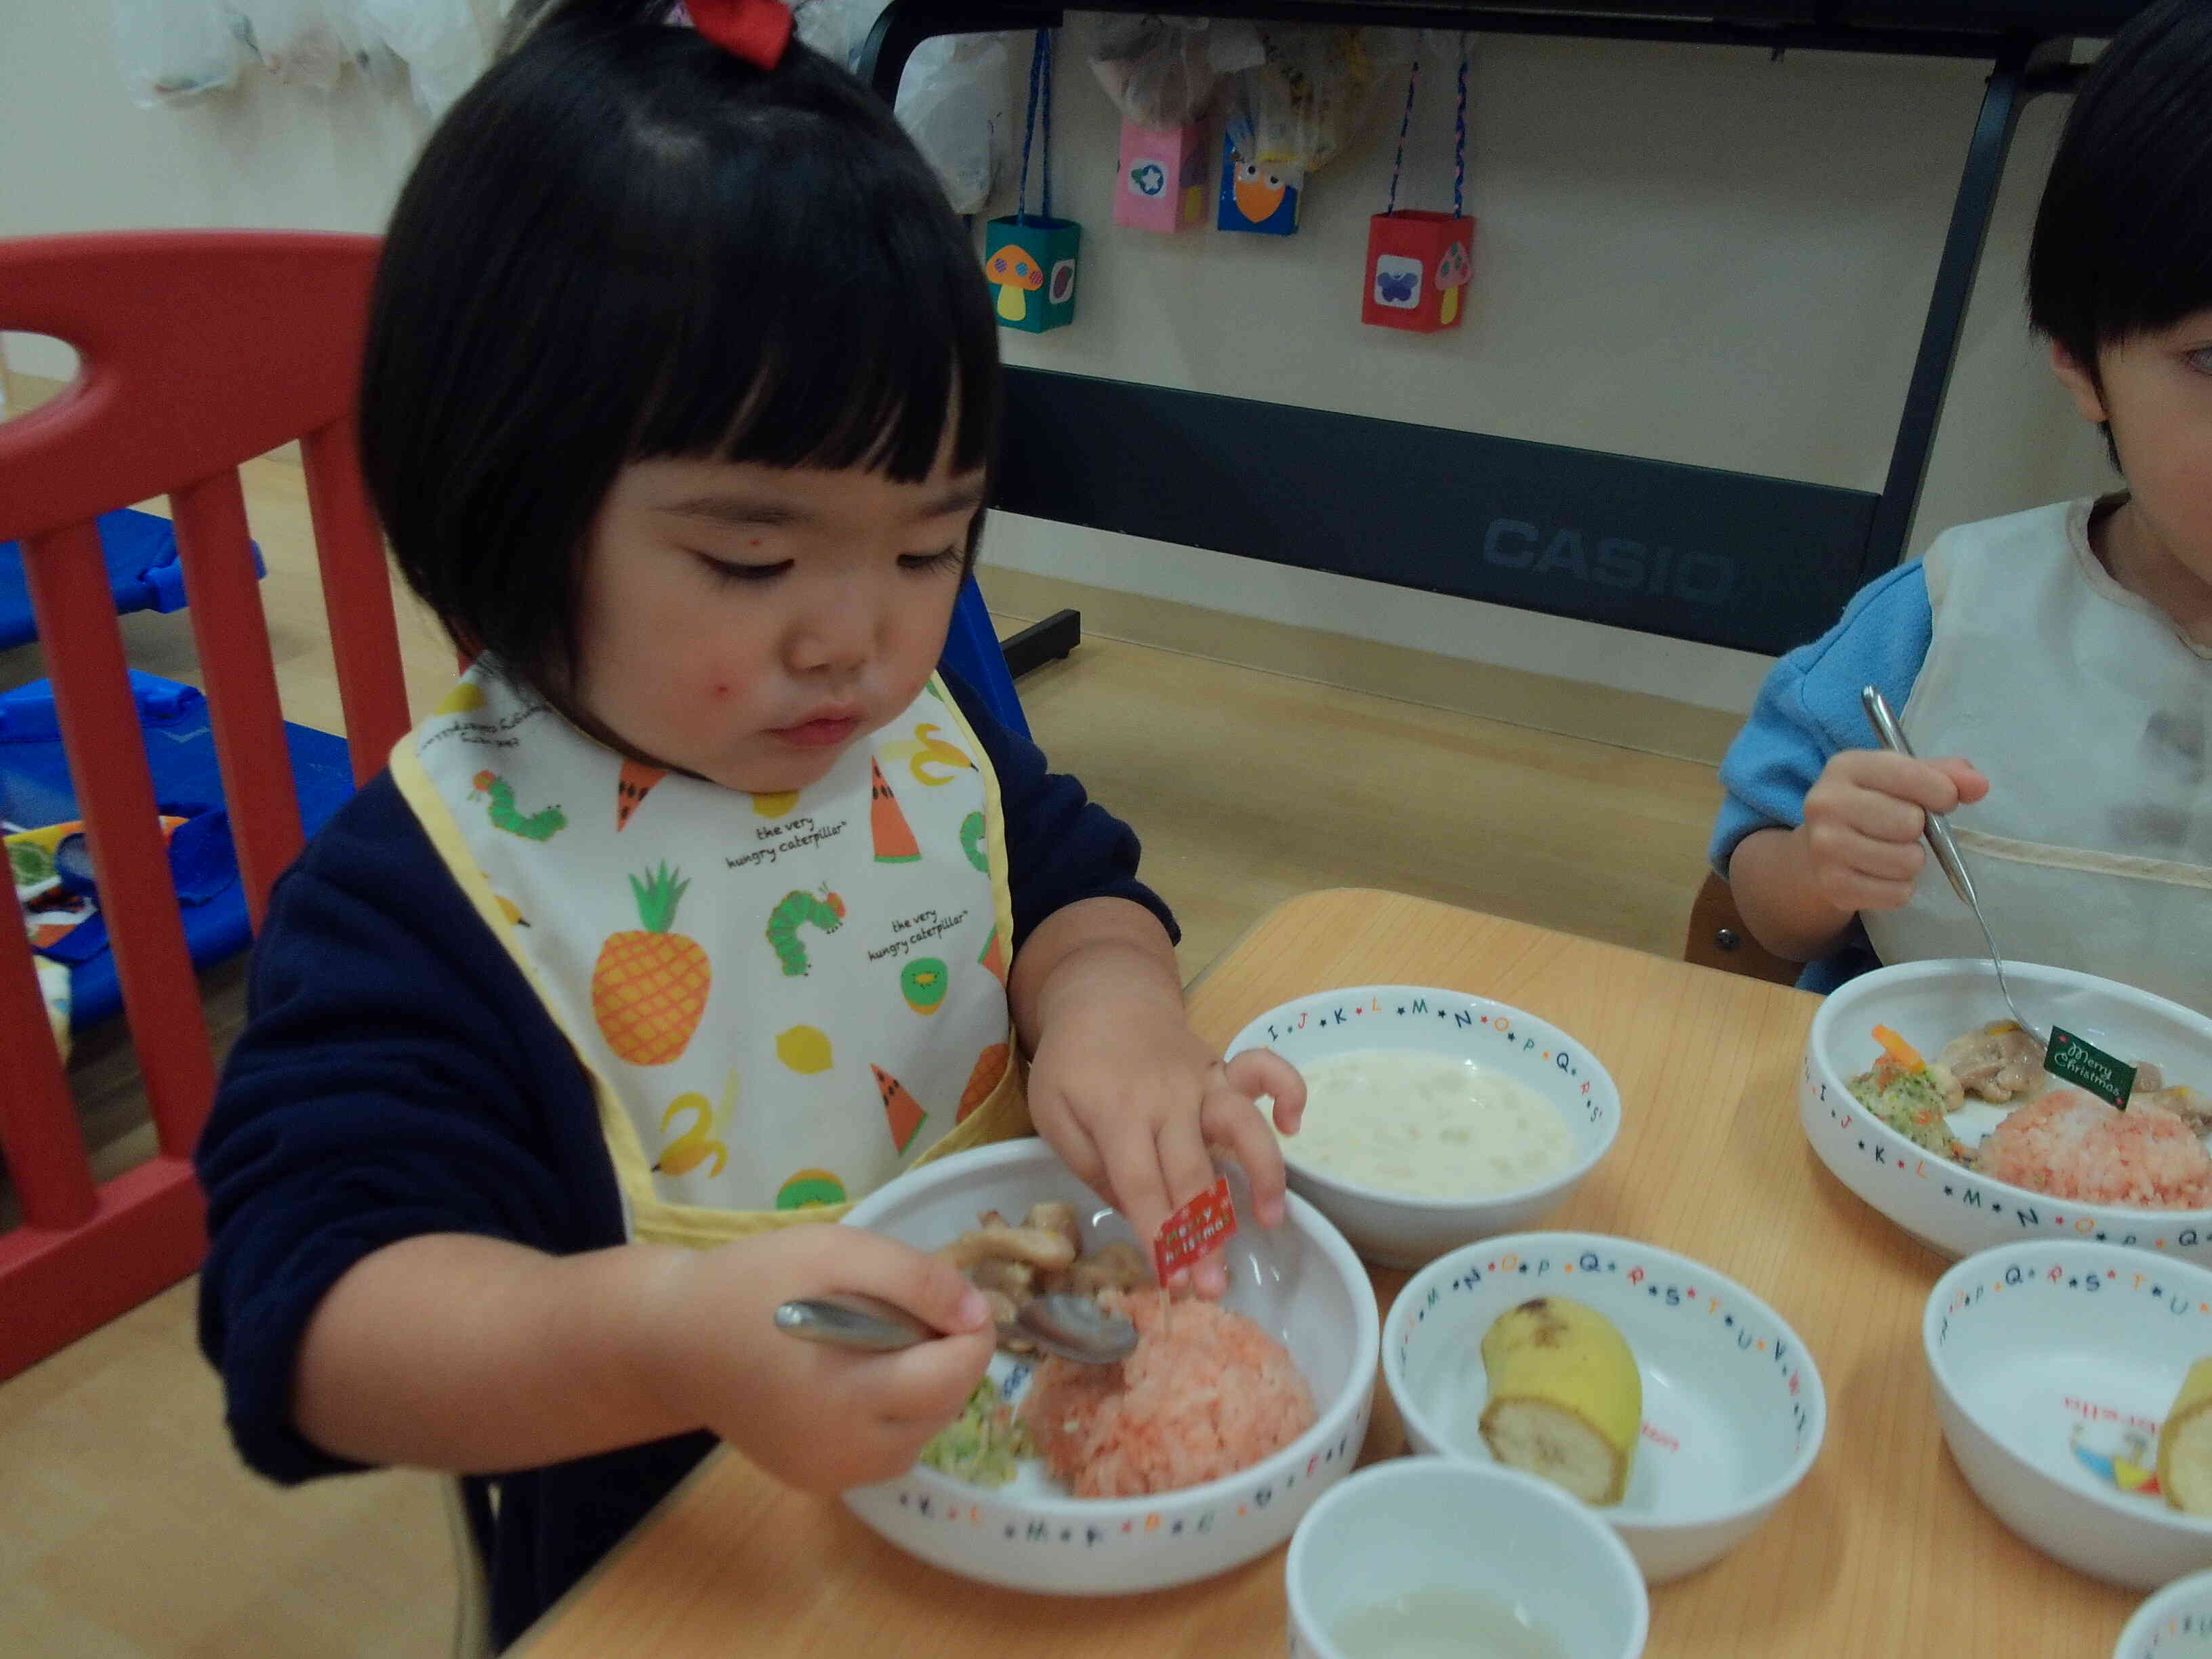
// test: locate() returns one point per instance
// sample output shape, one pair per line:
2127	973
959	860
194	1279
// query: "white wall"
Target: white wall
1691	254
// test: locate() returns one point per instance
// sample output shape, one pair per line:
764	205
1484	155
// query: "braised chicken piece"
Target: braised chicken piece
1043	1256
1999	1062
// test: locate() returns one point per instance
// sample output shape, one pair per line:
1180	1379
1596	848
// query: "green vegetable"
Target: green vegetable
983	1444
1911	1102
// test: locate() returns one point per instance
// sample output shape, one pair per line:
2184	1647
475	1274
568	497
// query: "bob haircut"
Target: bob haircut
623	243
2124	238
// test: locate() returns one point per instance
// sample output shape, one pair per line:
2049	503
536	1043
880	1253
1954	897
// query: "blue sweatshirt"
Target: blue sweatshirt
1809	711
396	1077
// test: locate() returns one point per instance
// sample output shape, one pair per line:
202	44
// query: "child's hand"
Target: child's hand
1864	818
1131	1099
819	1417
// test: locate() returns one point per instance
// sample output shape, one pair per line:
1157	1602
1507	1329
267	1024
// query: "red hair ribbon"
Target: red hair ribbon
754	30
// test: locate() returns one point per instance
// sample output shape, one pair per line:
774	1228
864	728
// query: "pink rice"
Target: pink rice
2071	1145
1207	1393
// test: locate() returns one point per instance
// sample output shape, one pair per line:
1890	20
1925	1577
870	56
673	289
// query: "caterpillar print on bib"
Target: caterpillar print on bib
799	908
541	825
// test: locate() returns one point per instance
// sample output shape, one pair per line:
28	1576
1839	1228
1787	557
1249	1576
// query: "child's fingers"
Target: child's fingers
925	1387
1232	1122
1135	1184
1878	860
928	1286
1188	1169
1966	778
1259	1072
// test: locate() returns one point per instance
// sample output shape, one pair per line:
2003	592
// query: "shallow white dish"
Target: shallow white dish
2174	1624
1301	1283
2051	1360
1394	1229
1943	1204
1420	1522
1733	1409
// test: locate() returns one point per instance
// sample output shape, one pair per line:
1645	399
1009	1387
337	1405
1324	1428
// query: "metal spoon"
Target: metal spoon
1072	1326
1947	853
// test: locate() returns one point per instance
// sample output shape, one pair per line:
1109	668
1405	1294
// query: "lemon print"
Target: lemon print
776	805
805	1049
464	699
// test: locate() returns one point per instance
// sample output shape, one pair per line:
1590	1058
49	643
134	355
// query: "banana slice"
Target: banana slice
1566	1401
2184	1444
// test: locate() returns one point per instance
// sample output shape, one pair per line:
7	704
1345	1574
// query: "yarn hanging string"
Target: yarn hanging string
1040	67
1459	140
1045	48
1405	124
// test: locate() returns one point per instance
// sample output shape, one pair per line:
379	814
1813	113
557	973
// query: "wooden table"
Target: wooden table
1881	1553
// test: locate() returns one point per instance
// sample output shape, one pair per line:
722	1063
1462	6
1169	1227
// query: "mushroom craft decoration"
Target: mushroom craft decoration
1017	277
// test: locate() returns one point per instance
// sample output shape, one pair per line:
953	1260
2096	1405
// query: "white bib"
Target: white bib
783	1001
2092	715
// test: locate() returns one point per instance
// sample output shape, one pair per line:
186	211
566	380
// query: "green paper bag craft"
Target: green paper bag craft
1030	259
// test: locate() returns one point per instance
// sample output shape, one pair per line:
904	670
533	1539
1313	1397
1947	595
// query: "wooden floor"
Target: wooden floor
129	1529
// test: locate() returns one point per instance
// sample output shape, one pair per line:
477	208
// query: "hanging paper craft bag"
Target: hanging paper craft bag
1030	259
1162	177
1418	261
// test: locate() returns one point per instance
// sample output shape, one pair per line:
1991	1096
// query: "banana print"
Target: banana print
698	1143
927	750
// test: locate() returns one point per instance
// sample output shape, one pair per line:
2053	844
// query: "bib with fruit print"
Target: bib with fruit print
782	1000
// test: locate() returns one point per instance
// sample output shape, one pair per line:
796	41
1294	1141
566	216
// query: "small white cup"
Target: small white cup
1426	1523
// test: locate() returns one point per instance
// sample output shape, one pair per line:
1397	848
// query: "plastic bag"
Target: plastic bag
170	50
957	101
438	39
1159	71
302	43
836	28
1312	97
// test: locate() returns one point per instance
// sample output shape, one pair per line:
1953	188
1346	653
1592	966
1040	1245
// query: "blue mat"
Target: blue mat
142	572
35	790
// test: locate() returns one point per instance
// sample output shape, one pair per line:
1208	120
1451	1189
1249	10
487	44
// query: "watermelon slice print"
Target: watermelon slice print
895	841
901	1108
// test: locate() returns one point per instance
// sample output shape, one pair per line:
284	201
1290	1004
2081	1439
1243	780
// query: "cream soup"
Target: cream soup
1427	1126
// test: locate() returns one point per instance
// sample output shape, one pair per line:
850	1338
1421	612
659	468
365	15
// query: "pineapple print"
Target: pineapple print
649	989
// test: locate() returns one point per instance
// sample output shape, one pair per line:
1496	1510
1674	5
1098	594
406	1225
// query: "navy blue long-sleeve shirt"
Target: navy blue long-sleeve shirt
397	1078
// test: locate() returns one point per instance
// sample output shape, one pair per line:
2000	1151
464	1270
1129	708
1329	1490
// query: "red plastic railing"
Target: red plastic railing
200	351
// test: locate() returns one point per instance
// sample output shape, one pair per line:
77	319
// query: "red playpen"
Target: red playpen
200	351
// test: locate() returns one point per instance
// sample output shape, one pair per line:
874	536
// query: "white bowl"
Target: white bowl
1734	1410
2051	1359
1393	1229
1426	1523
2174	1624
1301	1283
1943	1204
